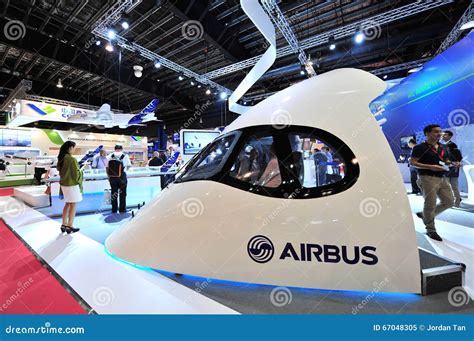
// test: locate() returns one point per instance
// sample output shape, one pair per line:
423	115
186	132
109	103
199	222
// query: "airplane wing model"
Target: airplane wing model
90	155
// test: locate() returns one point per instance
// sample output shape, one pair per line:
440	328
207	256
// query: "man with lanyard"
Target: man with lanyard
430	158
118	178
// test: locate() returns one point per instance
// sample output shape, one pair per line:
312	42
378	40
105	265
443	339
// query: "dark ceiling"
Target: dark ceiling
58	44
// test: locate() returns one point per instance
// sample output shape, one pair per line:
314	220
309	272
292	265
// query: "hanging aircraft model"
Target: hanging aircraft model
105	117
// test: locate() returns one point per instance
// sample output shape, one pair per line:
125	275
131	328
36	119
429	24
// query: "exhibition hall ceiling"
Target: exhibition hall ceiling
56	43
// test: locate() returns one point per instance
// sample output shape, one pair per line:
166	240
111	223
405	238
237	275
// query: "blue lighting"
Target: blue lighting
146	268
359	37
223	95
406	297
111	34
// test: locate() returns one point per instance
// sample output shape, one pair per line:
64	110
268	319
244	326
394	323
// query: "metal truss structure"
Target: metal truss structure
280	21
113	16
374	22
456	32
17	93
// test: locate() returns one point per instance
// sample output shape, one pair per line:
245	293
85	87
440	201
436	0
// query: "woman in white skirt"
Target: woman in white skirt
71	185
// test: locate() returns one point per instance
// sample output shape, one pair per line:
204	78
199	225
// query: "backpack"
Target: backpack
115	166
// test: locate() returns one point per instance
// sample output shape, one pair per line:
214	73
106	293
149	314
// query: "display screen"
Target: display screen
404	141
194	141
15	138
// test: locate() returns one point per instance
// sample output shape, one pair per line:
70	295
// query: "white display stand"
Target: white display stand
32	195
469	172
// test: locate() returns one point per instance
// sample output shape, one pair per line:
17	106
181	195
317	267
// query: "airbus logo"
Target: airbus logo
261	250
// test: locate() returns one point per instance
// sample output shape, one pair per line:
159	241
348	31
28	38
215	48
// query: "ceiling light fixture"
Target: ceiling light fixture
137	70
59	85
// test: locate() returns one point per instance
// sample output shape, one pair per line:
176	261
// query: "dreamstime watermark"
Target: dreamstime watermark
269	218
458	297
103	296
371	30
192	207
459	118
201	286
46	329
281	296
104	119
280	119
192	29
13	208
200	109
360	128
22	286
377	287
370	207
14	30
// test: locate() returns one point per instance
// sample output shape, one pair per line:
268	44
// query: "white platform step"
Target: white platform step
107	285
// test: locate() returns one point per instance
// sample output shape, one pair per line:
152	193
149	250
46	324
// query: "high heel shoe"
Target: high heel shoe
72	229
63	228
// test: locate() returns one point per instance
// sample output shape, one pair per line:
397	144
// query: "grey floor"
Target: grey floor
257	299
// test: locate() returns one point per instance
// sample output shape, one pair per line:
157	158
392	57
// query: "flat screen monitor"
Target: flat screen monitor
194	141
404	141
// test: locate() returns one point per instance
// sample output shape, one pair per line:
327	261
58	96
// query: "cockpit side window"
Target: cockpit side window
296	161
314	162
257	163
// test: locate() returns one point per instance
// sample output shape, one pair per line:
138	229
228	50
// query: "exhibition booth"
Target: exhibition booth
307	190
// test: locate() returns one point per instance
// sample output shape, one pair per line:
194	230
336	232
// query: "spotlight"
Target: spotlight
208	92
98	42
416	69
245	103
180	78
59	85
332	44
157	64
111	34
385	76
199	86
302	72
109	47
359	37
467	25
125	25
223	95
192	83
137	70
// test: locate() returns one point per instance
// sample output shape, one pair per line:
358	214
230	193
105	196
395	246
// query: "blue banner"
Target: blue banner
248	327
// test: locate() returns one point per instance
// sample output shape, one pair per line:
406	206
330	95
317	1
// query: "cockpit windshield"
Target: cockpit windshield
211	159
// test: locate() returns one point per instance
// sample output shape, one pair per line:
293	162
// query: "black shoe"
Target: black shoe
419	215
435	236
72	229
63	228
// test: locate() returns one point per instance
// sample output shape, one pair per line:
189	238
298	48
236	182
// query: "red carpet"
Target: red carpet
26	287
6	192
